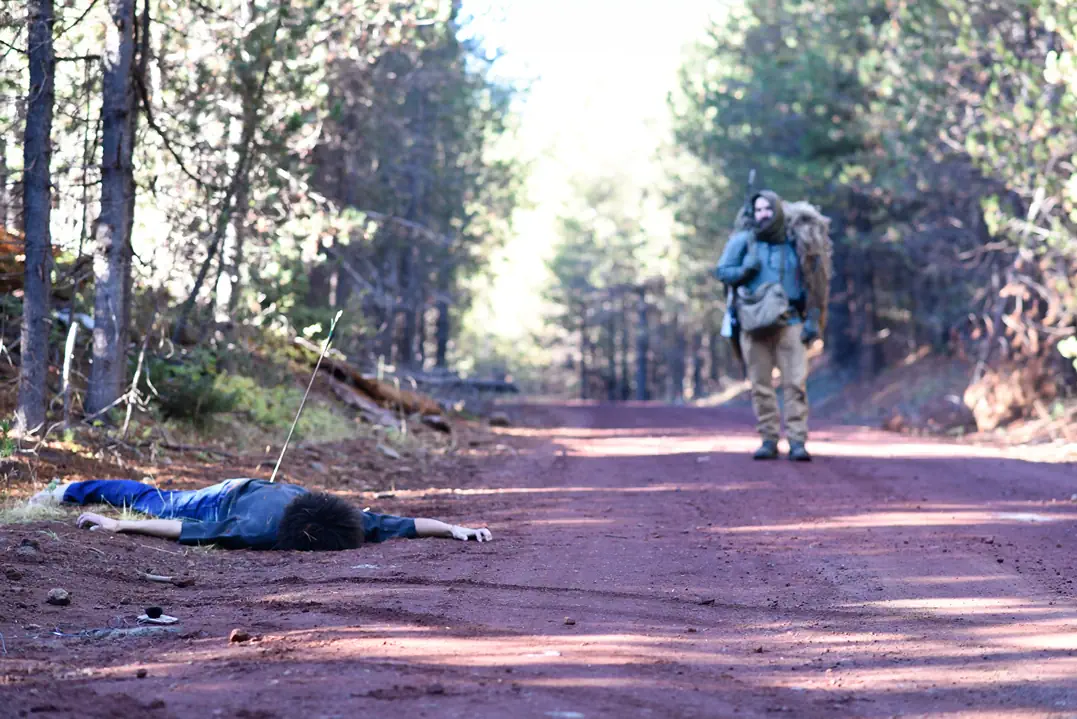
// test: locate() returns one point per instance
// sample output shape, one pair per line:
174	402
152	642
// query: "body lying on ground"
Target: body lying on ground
246	514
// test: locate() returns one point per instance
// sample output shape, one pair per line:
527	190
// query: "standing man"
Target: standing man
780	269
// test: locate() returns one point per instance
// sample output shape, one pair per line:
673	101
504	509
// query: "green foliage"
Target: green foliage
7	444
274	408
600	248
187	389
937	135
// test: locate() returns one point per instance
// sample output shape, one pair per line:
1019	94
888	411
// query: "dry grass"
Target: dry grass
23	512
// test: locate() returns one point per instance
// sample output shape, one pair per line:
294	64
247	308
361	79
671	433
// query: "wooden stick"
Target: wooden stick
69	353
157	578
325	348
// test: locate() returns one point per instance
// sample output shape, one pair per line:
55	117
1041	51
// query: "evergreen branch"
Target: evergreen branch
79	19
152	122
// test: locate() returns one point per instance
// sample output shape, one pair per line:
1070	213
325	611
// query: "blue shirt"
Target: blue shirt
771	257
250	512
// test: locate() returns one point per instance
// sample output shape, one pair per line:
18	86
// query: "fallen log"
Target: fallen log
479	385
367	408
383	393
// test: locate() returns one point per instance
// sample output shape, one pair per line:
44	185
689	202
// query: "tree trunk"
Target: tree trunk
142	46
583	352
442	335
235	266
318	276
715	356
642	349
420	335
611	354
110	300
37	203
697	365
625	389
868	339
406	346
677	363
3	183
659	359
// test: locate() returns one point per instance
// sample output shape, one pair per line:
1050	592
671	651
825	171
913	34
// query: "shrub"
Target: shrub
186	389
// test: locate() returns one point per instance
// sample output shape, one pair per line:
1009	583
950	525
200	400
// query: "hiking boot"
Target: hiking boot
768	450
798	453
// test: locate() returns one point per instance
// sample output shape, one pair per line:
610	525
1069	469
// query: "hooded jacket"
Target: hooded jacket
774	246
806	229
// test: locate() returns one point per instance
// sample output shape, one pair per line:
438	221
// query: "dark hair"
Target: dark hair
320	522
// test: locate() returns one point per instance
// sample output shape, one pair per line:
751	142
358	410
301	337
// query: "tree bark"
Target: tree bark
140	63
583	352
611	353
37	203
642	349
714	352
406	342
235	265
697	365
420	332
3	183
110	300
677	364
443	332
625	389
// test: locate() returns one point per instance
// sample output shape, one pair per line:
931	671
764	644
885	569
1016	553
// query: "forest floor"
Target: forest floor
642	565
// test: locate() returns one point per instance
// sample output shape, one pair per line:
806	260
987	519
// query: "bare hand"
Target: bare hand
91	521
466	533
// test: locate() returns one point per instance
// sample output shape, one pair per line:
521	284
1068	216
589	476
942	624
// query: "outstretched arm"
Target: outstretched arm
166	528
737	265
435	528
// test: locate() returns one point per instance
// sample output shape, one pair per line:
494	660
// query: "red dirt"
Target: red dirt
642	565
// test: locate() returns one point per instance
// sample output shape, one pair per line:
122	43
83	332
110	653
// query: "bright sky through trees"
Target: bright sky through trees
600	73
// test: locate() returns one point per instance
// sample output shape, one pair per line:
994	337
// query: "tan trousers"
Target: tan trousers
782	349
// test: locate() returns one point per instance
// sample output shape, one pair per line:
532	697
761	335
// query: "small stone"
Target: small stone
59	597
13	574
29	550
690	630
1000	560
569	621
319	468
125	601
238	635
500	419
141	673
707	602
435	689
388	451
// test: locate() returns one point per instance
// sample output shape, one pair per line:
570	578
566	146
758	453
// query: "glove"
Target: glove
751	265
810	332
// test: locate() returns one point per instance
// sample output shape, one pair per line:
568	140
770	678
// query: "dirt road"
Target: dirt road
643	566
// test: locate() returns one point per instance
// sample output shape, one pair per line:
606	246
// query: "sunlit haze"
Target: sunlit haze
600	71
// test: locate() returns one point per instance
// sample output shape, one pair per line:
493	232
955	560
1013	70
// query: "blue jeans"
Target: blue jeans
201	504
